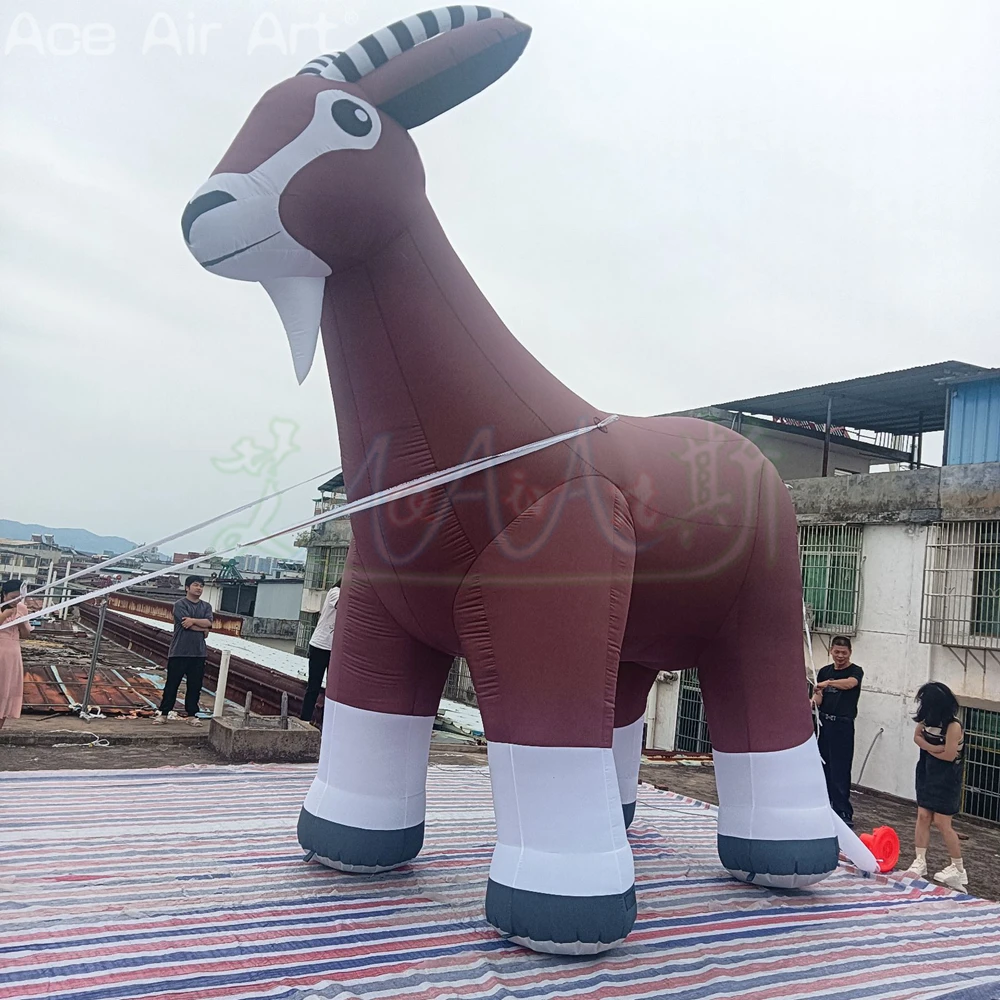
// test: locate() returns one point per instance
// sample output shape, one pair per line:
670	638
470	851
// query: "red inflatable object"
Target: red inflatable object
883	842
567	579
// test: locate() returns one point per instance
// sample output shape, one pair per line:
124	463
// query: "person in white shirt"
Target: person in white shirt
319	651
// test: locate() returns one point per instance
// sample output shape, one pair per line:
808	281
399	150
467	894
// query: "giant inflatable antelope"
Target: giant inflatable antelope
567	579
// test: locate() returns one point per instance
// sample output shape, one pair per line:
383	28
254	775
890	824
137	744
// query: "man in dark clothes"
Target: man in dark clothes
186	656
838	687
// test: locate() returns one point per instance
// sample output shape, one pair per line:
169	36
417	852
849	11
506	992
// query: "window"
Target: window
981	786
692	727
986	580
325	566
830	558
459	686
961	594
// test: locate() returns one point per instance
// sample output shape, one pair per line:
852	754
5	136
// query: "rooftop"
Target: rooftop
910	401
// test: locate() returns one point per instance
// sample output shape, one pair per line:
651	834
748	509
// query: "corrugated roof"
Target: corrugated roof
334	485
892	402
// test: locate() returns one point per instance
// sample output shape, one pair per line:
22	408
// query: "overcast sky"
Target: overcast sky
670	203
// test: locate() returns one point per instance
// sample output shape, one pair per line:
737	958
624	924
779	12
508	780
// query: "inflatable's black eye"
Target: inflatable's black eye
351	117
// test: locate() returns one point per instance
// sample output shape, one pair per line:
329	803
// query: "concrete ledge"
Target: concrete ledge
919	496
44	730
264	743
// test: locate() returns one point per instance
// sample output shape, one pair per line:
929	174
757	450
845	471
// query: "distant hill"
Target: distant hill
77	538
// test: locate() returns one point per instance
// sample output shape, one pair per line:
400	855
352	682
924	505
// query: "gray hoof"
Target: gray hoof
351	849
780	864
560	925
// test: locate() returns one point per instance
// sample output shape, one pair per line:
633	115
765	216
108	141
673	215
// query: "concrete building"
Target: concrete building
908	564
33	561
269	608
326	555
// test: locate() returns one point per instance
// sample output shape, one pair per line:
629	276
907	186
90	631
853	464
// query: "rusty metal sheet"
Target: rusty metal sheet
148	607
56	666
50	688
265	684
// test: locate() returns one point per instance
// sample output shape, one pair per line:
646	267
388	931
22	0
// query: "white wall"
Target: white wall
895	662
312	600
661	711
799	457
887	646
278	600
973	672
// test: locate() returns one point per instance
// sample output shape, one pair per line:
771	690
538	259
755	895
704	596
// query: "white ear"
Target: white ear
299	302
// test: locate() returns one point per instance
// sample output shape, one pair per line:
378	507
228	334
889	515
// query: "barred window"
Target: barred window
692	727
961	594
830	558
459	686
981	787
324	566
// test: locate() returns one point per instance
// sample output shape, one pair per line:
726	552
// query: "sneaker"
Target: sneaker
919	867
952	877
159	719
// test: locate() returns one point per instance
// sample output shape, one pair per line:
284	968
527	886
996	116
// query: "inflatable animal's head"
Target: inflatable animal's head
323	173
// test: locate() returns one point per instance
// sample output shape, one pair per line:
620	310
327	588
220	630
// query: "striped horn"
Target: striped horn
377	49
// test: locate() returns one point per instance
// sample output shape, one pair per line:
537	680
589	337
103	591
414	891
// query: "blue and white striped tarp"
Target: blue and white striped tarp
184	883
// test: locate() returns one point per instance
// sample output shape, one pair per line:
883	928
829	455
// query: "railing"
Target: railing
692	726
303	633
981	785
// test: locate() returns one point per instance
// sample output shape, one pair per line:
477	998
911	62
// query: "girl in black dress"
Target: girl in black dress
939	779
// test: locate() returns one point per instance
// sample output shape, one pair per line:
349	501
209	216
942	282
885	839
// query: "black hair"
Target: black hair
339	578
194	579
936	705
9	587
841	640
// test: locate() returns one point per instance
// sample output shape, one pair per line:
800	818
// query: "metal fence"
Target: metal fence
459	686
830	558
981	791
303	633
961	593
692	726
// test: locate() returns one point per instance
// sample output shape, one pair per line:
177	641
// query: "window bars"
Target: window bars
325	566
692	727
304	631
961	593
458	686
830	558
981	786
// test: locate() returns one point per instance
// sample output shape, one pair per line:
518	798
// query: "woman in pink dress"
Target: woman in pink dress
11	668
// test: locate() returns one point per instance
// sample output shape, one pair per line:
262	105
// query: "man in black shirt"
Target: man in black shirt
186	657
838	687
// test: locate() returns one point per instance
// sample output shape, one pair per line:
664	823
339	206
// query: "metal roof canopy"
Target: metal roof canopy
911	401
335	485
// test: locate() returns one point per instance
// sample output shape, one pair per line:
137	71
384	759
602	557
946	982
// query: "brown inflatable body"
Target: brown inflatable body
566	579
